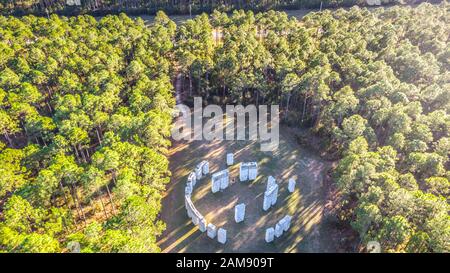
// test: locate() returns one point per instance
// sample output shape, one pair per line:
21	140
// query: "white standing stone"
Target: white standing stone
230	159
274	195
373	2
225	179
287	222
188	189
239	213
205	167
189	213
270	233
248	171
270	182
252	170
189	206
282	223
243	172
73	2
221	178
195	215
202	225
278	230
198	172
267	200
224	183
291	185
192	179
211	231
195	219
222	235
187	200
215	185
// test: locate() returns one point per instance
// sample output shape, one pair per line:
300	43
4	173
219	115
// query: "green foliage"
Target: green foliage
373	84
177	7
79	150
85	114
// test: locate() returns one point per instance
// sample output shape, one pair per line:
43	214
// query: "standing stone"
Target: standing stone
205	167
189	212
219	179
287	222
198	172
278	230
239	213
192	179
215	185
202	225
230	159
243	172
291	185
267	200
195	219
211	231
188	189
188	204
224	182
274	195
252	170
73	2
282	223
222	235
196	216
224	179
270	233
270	182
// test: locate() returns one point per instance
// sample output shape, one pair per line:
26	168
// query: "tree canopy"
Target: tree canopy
85	112
85	116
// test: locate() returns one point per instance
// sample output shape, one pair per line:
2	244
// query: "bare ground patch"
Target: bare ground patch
309	232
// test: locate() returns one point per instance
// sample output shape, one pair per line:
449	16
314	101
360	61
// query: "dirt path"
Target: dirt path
308	233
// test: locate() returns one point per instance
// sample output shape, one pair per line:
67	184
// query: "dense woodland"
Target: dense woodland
374	85
85	117
70	7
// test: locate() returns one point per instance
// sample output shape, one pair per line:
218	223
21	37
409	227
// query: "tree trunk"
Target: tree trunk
8	139
79	204
103	207
190	84
304	108
98	136
110	199
287	104
82	153
64	195
76	153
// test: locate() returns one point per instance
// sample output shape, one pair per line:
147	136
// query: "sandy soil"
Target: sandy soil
308	233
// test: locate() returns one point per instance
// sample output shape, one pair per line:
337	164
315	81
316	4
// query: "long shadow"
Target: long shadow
305	204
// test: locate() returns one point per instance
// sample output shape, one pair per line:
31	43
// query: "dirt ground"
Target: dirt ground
308	233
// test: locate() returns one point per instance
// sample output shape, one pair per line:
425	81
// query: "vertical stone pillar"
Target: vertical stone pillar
291	185
270	233
211	231
239	213
230	159
222	235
